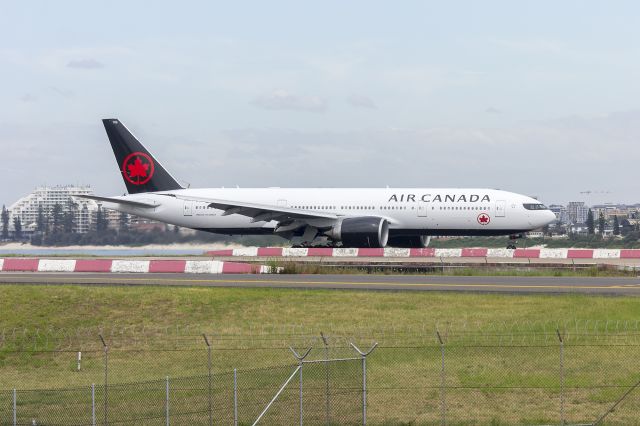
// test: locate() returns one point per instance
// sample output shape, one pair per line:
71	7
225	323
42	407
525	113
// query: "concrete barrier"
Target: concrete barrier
130	266
448	252
502	252
370	252
56	265
203	267
422	252
474	252
629	254
526	253
167	266
294	252
396	252
20	265
93	265
606	254
531	253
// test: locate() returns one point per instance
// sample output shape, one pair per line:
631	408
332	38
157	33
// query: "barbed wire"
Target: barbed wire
186	336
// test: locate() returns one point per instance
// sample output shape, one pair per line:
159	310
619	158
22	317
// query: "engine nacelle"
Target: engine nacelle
410	241
361	232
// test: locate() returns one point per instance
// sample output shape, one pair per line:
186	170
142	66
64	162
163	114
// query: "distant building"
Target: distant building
146	225
560	212
45	198
607	210
577	212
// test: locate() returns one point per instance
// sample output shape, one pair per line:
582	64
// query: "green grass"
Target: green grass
502	357
241	310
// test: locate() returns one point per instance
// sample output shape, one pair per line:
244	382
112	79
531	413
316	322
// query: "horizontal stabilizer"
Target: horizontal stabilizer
131	203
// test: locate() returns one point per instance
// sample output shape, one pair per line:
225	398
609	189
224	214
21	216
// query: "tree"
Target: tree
57	218
590	223
41	221
616	226
5	223
17	228
601	223
101	221
69	217
124	222
68	221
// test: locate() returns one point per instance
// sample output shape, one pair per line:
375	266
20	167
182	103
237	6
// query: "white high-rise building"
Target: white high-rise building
47	197
577	212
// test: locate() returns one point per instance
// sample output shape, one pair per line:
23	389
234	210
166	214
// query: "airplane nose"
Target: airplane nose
550	217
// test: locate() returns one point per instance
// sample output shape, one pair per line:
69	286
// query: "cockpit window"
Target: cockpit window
535	206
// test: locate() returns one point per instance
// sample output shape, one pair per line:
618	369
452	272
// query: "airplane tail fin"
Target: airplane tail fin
140	170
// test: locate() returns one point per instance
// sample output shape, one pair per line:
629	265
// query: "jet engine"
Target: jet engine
410	241
360	232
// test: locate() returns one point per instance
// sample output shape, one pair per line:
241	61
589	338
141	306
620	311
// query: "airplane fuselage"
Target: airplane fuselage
409	211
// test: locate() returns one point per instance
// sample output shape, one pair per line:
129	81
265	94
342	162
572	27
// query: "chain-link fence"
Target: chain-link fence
555	376
329	391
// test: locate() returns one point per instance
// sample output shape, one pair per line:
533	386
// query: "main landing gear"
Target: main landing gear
513	241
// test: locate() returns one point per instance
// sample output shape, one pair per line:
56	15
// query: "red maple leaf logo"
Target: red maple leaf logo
483	219
138	169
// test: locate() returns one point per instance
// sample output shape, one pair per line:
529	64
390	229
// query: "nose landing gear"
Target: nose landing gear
513	241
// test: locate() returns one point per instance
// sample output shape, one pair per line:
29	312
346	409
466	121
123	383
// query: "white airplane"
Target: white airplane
353	217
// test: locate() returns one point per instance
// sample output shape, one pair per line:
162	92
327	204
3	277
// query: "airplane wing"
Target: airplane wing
260	212
138	204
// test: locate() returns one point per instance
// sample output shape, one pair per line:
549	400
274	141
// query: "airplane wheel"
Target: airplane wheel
511	247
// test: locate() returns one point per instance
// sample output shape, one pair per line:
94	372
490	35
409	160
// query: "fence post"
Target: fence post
300	359
106	379
93	404
15	408
562	419
209	378
443	378
326	363
364	355
235	397
167	402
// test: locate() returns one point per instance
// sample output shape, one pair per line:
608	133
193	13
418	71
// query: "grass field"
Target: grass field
236	310
502	356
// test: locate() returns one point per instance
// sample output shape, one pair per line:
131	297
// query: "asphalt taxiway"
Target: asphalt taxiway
586	285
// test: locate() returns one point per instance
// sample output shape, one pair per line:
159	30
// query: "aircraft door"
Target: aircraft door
422	210
500	208
188	208
282	203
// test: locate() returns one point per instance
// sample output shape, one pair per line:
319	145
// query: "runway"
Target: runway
586	285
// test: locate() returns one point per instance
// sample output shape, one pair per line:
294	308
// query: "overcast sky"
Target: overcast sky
540	98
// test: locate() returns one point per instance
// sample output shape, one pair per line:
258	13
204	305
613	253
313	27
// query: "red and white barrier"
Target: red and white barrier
130	266
534	253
